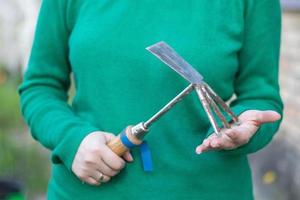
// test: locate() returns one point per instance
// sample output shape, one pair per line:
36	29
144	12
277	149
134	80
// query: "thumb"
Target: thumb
109	137
267	116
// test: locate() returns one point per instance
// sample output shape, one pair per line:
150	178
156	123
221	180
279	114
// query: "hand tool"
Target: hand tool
210	100
133	135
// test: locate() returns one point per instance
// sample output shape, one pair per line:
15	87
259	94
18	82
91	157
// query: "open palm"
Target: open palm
238	135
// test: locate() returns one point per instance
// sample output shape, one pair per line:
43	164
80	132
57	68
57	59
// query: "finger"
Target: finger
216	144
128	157
101	166
105	178
109	137
200	149
205	146
105	169
223	142
236	136
96	175
267	116
100	177
241	135
112	160
91	180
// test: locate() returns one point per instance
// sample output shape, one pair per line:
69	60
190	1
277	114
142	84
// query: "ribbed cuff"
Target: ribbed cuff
66	150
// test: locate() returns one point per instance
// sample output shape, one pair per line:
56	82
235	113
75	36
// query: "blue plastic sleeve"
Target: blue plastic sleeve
126	141
144	151
146	157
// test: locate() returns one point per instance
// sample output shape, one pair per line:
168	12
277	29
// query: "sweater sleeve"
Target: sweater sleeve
43	92
256	82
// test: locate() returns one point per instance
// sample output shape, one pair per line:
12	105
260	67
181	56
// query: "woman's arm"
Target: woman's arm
74	142
256	83
44	89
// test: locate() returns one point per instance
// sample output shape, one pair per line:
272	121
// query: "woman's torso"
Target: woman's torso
119	83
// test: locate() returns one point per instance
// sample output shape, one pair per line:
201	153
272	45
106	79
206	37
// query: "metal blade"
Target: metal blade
171	58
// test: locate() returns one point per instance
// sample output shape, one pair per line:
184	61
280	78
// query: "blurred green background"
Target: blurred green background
21	159
26	165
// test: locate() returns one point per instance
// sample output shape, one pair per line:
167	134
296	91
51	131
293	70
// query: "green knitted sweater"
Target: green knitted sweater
234	44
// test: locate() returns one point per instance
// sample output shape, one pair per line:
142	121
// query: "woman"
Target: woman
234	45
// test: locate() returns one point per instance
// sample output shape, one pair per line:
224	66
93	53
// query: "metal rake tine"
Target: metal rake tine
216	109
207	109
224	106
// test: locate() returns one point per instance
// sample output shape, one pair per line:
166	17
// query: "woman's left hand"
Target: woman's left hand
238	135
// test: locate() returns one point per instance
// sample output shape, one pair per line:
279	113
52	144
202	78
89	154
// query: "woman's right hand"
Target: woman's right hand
95	162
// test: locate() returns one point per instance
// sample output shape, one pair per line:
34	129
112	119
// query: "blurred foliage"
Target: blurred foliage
21	159
9	106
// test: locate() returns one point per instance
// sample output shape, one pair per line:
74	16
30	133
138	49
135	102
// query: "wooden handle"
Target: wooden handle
118	147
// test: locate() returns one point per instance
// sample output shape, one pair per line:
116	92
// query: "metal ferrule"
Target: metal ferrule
139	131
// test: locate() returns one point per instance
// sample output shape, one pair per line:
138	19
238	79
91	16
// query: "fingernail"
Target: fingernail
130	158
198	150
